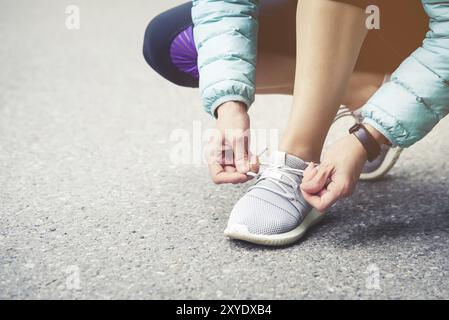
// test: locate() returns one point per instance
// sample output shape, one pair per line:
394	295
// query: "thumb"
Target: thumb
310	172
318	181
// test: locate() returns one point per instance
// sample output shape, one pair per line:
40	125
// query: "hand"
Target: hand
337	175
229	156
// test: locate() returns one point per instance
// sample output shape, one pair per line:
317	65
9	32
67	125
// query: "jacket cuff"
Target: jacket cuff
387	125
224	91
387	134
228	98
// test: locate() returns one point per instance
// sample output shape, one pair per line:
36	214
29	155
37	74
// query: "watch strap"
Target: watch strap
367	140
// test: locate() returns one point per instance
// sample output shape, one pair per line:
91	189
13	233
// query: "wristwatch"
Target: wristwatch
367	140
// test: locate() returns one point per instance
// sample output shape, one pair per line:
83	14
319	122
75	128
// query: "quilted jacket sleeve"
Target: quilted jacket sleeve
407	108
225	34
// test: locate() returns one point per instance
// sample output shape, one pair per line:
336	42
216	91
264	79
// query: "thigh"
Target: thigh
277	27
403	26
276	56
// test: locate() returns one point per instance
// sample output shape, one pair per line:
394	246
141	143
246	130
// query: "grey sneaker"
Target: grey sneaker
274	212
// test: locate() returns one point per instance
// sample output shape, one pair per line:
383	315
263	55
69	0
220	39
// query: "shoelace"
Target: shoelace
275	174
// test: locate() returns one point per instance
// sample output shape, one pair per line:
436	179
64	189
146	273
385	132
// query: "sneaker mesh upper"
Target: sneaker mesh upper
265	212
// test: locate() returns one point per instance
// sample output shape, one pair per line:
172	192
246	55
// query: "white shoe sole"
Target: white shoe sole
390	160
240	232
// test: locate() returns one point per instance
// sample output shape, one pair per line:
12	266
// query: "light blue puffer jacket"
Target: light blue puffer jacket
404	110
226	39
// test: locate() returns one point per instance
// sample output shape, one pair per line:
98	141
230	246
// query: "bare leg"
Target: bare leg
276	75
330	35
361	87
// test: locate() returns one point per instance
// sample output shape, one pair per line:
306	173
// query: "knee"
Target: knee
151	43
158	38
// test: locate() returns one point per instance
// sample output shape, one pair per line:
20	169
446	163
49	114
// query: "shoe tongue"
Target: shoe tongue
280	158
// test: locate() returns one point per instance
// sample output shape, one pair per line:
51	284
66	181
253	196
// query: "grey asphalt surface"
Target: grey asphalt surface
88	191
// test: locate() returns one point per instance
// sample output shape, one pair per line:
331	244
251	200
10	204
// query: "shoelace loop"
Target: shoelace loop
275	174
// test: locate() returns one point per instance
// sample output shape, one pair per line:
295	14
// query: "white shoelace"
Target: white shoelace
275	174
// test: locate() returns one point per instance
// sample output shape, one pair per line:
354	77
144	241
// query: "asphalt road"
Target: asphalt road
92	205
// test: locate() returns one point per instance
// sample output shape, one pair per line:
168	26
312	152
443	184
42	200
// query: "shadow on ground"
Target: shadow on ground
382	210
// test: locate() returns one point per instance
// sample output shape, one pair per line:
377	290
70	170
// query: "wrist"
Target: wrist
231	108
366	139
379	137
358	149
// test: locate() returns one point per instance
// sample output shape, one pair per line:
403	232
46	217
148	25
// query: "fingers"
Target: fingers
221	167
240	142
328	196
321	188
317	180
229	157
215	151
242	158
222	173
254	164
324	199
310	172
226	174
